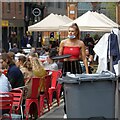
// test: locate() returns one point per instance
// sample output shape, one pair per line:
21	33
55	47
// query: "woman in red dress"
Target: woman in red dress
76	48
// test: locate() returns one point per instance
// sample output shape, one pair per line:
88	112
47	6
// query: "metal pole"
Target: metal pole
0	25
119	69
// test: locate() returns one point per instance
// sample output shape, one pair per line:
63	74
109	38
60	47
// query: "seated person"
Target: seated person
44	56
47	49
3	65
50	64
90	60
5	85
89	43
37	70
14	74
11	54
89	56
22	63
33	51
15	48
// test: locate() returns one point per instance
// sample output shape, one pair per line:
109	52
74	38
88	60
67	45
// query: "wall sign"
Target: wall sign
72	12
36	12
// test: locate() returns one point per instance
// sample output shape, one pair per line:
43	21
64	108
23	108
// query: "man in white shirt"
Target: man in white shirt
5	85
50	64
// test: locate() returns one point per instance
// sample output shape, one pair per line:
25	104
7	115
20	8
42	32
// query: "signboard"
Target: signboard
36	12
72	12
4	23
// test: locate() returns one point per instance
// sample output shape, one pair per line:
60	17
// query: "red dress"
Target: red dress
73	51
72	66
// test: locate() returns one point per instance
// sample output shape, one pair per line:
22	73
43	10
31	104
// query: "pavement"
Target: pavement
55	111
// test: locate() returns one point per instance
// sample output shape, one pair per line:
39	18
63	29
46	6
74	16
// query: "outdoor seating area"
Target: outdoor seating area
34	106
6	103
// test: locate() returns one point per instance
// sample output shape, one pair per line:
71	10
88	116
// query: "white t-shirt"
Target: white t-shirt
5	85
52	66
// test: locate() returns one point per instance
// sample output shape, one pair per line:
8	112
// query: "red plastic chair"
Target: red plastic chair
45	95
17	100
55	86
6	102
33	100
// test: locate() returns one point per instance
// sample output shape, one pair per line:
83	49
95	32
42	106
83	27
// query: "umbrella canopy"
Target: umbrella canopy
65	18
49	23
105	19
92	21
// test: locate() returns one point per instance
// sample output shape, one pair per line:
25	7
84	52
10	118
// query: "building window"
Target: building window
3	7
59	4
20	7
50	4
8	7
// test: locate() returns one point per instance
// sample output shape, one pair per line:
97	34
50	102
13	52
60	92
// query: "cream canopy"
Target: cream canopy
50	23
105	19
92	21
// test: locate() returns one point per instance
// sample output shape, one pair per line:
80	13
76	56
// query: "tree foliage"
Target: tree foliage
111	10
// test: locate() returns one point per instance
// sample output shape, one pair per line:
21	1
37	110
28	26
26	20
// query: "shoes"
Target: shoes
65	116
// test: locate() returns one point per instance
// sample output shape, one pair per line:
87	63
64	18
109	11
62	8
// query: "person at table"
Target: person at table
49	63
89	43
76	48
22	63
14	74
5	85
4	67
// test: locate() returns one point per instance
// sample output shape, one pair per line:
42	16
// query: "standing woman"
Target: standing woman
76	48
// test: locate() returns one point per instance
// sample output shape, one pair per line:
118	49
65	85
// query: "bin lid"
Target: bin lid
75	78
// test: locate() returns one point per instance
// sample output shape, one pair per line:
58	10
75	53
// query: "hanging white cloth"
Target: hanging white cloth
101	50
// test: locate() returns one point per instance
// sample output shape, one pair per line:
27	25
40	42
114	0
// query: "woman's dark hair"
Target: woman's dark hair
11	54
22	59
33	54
28	64
7	58
47	49
75	26
53	52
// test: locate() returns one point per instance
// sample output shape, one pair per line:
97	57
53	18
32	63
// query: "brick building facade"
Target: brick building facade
13	15
72	9
16	16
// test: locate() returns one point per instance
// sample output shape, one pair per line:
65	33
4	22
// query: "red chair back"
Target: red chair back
47	83
35	87
6	102
17	97
55	75
46	94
